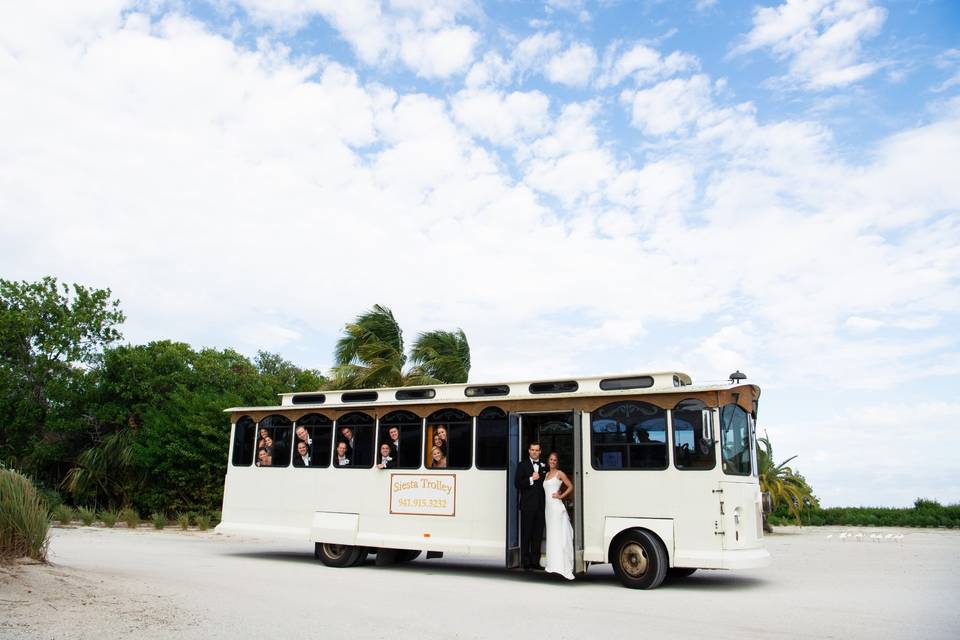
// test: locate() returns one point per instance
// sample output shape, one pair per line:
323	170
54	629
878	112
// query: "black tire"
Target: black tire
639	559
336	555
680	572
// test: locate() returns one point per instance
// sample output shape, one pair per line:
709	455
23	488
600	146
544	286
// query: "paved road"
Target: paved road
199	585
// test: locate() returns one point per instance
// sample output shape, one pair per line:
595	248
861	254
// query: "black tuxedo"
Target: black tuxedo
389	464
298	460
532	505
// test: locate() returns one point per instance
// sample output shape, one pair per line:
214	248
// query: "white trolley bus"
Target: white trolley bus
664	471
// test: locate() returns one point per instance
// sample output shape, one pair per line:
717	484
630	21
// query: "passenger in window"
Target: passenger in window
264	459
442	433
304	436
440	443
341	459
346	436
302	457
439	458
394	433
387	461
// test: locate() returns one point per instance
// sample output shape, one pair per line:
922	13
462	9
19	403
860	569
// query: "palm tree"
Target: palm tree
783	484
371	354
107	470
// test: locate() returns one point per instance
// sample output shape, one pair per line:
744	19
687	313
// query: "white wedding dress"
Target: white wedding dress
559	532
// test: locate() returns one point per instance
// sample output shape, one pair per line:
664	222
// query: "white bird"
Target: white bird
859	537
889	536
898	537
844	536
830	537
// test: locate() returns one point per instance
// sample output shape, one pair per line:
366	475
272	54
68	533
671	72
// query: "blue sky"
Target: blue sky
584	187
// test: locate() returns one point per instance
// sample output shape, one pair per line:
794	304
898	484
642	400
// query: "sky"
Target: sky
583	187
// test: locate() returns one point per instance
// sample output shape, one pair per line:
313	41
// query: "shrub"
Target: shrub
131	518
203	522
183	519
87	516
63	514
24	519
159	520
109	518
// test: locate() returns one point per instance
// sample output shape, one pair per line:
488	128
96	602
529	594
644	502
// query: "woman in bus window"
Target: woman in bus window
264	459
439	458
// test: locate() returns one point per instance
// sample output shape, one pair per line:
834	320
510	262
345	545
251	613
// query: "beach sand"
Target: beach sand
152	584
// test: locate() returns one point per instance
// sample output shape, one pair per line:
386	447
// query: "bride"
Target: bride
557	486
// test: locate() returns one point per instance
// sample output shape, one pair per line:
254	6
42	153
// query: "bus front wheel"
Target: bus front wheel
639	560
337	555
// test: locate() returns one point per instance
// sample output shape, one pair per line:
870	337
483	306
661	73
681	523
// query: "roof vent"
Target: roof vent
736	377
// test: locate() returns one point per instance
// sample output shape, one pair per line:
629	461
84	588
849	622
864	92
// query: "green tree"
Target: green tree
160	433
786	487
371	354
51	336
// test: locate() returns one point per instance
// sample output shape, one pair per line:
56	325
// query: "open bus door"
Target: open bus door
579	566
513	509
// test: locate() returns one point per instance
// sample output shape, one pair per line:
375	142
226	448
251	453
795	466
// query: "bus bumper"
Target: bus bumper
745	558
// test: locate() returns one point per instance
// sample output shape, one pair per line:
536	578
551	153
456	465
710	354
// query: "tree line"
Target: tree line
110	425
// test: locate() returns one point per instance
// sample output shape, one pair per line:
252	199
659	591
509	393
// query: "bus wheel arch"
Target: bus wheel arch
639	558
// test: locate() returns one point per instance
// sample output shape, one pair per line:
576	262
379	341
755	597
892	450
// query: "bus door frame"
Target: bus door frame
579	566
514	433
512	559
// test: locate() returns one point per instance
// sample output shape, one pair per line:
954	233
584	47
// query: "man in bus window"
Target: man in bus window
304	436
302	458
387	461
341	460
394	433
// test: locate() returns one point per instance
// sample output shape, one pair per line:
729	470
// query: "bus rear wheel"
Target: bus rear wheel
639	560
337	555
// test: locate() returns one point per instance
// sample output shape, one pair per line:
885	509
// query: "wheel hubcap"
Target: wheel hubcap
633	560
334	551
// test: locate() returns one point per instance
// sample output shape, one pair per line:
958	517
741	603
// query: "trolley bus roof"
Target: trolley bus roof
613	385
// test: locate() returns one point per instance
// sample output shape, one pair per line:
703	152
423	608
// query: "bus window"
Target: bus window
355	431
735	440
402	430
273	441
311	441
243	442
693	436
628	435
492	449
448	440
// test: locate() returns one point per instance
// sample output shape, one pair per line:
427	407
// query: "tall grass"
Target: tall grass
87	516
203	522
183	519
159	520
63	514
109	518
131	518
24	521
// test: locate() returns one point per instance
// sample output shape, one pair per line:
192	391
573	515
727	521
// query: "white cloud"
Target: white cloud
821	39
670	106
533	51
572	67
424	35
441	53
644	64
505	119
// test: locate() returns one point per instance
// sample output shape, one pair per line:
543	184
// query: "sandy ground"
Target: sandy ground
148	584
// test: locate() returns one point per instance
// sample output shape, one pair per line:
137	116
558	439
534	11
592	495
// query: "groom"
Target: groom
529	483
